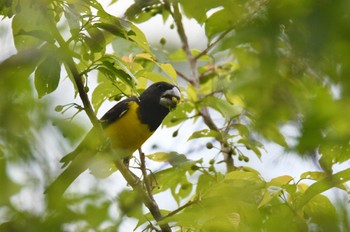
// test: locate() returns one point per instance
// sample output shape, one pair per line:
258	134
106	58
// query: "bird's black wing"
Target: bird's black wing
117	111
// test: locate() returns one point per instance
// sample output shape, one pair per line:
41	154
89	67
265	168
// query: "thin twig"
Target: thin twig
135	183
210	46
146	181
183	76
195	80
242	22
148	186
181	208
185	45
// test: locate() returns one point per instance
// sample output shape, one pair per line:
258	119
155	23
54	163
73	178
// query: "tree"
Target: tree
267	64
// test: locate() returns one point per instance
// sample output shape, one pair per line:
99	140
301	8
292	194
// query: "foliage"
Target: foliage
267	64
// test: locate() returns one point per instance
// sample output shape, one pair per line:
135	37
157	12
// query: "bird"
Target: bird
127	125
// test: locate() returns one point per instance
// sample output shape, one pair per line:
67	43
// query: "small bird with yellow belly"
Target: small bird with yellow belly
127	125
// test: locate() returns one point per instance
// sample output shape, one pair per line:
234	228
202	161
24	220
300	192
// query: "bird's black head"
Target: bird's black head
156	102
162	93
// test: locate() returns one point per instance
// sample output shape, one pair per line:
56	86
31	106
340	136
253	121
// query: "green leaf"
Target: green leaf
280	181
39	34
242	129
115	29
227	110
219	22
47	76
96	41
30	26
130	203
178	55
178	115
142	11
198	11
205	183
313	175
73	19
114	68
123	29
94	45
275	186
322	212
124	47
183	191
324	184
152	76
334	153
139	38
205	133
168	179
21	64
268	197
237	195
280	217
231	15
174	158
169	70
251	176
103	92
159	156
251	145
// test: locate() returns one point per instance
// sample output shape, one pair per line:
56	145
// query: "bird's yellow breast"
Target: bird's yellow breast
127	133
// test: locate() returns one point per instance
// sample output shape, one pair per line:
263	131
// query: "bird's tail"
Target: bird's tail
56	189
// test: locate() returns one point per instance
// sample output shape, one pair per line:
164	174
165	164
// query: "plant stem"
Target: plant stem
204	112
185	46
77	77
150	203
144	174
182	208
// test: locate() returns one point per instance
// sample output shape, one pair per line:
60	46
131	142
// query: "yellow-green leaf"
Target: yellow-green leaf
169	70
313	175
204	134
280	181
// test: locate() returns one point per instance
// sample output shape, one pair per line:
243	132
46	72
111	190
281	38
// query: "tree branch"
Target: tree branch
185	46
150	203
77	77
195	81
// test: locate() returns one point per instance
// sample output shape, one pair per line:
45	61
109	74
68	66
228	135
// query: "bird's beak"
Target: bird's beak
170	98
